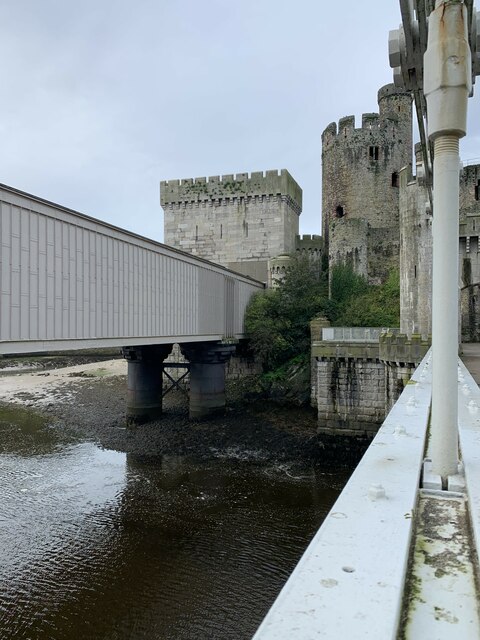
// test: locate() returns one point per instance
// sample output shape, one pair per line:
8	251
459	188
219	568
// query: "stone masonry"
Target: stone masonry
355	384
360	179
239	221
416	252
351	398
311	246
469	258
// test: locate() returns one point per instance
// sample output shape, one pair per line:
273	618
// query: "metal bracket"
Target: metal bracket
175	382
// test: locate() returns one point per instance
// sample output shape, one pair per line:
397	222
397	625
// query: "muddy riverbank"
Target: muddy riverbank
90	399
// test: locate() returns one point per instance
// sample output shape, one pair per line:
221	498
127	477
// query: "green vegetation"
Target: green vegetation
277	321
358	304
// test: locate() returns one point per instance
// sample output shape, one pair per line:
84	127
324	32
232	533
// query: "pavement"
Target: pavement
470	356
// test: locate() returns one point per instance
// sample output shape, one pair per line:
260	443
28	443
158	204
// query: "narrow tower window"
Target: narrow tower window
339	212
221	231
196	233
373	153
394	179
477	190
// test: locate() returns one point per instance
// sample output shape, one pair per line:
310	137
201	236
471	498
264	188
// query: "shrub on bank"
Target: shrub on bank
277	321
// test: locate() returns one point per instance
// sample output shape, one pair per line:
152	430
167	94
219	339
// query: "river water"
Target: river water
99	544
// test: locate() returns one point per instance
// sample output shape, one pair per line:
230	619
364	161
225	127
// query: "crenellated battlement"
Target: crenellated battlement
346	126
347	123
370	120
399	348
390	101
229	186
309	243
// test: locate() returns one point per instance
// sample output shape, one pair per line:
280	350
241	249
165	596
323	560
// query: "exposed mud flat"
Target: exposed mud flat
91	398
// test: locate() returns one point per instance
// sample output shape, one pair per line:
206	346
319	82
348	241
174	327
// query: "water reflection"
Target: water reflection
96	544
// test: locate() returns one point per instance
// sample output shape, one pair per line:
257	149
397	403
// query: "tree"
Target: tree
277	321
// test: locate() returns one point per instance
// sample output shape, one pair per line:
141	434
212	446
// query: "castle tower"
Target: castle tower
307	245
238	221
360	180
415	251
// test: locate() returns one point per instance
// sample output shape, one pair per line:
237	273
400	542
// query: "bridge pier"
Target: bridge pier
207	376
144	381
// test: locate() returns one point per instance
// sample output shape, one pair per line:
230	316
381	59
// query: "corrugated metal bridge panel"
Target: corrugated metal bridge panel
69	281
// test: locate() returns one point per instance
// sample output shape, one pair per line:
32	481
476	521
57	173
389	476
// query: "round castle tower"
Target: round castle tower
360	180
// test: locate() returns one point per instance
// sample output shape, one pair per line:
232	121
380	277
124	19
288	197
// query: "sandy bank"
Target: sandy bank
42	388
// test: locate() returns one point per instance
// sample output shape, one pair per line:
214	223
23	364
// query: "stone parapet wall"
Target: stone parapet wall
355	384
401	349
356	350
309	244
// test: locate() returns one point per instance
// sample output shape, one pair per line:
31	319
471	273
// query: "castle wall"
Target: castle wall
349	244
469	253
360	170
238	221
242	364
415	255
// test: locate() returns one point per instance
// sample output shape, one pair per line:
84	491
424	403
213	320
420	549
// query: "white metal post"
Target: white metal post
444	429
447	84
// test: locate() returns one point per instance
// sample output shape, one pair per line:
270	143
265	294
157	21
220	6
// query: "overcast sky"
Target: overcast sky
102	99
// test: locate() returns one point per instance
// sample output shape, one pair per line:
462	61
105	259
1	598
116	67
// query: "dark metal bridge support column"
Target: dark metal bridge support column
144	381
207	376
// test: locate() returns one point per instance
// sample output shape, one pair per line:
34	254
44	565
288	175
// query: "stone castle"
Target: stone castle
374	214
376	217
